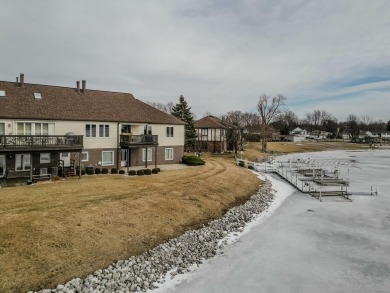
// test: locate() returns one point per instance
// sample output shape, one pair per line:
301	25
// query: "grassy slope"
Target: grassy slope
52	232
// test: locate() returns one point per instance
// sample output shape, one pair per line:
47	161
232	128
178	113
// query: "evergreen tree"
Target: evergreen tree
388	126
183	112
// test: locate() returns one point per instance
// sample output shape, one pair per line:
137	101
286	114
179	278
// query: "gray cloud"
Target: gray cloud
221	55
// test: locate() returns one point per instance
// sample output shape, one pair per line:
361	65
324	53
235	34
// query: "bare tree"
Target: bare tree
166	108
352	122
268	108
235	121
251	122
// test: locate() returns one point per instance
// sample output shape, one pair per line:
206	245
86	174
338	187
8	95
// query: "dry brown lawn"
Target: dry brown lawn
52	232
252	150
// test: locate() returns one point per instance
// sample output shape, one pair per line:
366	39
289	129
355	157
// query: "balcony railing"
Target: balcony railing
40	142
138	140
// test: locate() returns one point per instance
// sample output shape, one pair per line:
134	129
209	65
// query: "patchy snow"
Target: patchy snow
308	245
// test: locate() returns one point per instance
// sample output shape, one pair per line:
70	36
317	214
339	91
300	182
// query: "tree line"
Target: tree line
272	118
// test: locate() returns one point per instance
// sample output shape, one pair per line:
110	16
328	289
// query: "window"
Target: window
148	129
107	158
2	93
104	130
84	156
45	158
37	96
28	128
41	128
22	162
169	154
90	130
24	128
169	131
2	129
147	153
204	132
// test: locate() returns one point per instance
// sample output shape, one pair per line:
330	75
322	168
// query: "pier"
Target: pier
317	178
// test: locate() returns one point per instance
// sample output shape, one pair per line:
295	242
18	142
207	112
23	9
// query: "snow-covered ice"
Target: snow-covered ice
308	245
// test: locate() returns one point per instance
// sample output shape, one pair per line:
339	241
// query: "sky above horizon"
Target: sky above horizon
220	55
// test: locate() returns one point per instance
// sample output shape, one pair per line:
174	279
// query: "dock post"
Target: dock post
320	196
377	191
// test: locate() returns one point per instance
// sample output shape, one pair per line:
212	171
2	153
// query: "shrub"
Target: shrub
147	172
82	172
192	160
89	170
250	167
252	137
104	171
132	172
122	172
241	164
140	172
155	170
98	171
114	171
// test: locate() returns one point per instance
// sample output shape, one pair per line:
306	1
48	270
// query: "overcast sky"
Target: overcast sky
221	55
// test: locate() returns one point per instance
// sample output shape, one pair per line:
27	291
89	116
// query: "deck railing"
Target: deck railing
134	140
40	141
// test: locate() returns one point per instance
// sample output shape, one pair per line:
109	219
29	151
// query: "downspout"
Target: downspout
118	151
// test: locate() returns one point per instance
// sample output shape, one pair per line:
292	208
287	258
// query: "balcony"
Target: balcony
21	143
129	141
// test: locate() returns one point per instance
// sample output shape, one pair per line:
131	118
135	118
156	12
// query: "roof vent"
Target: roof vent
83	85
77	86
37	96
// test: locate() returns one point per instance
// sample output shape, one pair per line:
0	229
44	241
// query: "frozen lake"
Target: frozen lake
308	245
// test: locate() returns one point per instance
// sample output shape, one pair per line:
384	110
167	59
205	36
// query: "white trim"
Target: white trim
23	160
83	153
109	163
167	151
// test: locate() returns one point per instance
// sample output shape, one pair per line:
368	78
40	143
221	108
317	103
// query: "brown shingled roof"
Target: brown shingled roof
211	122
63	103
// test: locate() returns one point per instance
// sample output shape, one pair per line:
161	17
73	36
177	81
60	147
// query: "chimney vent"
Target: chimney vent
17	81
83	85
78	86
21	80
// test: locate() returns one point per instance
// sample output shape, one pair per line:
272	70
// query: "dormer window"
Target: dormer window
2	93
37	96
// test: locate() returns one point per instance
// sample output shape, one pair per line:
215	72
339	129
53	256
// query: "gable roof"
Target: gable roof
65	103
211	122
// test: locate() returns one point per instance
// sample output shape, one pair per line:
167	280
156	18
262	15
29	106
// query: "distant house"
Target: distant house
378	134
287	138
44	129
298	131
213	135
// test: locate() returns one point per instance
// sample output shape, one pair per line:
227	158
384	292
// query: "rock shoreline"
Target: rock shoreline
182	254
